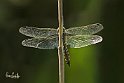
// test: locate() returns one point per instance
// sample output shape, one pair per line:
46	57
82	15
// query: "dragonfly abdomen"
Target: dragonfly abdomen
66	54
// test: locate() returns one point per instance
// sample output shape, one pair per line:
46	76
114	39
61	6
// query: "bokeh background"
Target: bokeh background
100	63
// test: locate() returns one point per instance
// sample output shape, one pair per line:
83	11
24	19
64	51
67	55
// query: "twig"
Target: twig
60	47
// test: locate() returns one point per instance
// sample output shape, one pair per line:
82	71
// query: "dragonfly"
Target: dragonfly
74	37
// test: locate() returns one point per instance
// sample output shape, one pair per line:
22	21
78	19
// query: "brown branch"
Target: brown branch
60	47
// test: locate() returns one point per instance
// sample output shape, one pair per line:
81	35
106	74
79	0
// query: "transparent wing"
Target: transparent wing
79	41
41	43
85	30
37	32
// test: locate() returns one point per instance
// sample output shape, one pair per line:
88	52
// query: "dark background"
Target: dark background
100	63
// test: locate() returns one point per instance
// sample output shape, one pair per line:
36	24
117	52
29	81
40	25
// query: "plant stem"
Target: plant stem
60	47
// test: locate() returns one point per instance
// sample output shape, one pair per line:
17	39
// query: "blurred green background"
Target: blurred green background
100	63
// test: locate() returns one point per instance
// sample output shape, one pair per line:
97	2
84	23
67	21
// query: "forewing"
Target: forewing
37	32
41	43
79	41
85	30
